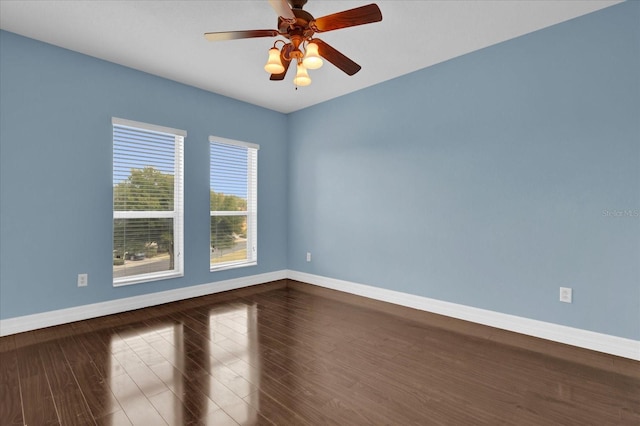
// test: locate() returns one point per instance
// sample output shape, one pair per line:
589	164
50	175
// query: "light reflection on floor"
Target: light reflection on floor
233	339
183	373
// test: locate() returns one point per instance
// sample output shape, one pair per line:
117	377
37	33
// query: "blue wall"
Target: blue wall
56	167
490	180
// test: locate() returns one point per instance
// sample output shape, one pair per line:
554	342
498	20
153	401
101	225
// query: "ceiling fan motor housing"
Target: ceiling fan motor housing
300	27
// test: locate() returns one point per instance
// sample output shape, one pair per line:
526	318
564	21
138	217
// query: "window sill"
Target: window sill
224	267
139	279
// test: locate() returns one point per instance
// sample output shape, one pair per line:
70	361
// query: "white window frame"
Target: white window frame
252	205
178	202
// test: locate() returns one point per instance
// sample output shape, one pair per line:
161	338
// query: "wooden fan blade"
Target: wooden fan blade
282	9
286	49
235	35
348	18
336	58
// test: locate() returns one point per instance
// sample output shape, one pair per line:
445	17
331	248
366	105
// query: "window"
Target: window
233	180
147	202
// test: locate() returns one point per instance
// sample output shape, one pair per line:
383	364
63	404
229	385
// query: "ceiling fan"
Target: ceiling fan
298	27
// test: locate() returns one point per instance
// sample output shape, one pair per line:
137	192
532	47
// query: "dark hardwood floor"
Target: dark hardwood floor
277	355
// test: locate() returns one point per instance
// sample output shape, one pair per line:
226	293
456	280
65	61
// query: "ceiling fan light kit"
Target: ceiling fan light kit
298	27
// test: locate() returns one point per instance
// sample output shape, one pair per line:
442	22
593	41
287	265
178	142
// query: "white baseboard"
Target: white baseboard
613	345
64	316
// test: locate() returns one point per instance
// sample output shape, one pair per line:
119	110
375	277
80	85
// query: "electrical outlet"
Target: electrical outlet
566	294
308	257
83	280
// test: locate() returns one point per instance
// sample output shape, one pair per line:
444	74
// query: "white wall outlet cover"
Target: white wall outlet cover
83	280
566	294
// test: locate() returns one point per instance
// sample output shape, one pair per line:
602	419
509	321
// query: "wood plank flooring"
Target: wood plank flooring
290	357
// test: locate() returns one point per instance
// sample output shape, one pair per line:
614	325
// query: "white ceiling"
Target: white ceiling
165	38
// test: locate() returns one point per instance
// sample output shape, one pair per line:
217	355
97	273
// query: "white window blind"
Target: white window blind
233	180
147	202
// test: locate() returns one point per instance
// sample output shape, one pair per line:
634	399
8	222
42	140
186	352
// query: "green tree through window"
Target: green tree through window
149	236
